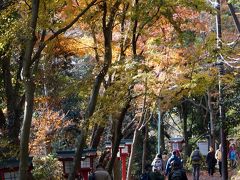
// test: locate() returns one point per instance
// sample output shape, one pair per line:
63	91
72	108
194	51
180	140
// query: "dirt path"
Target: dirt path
204	176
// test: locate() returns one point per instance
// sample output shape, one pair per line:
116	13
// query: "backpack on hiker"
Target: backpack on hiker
233	155
177	175
196	156
158	165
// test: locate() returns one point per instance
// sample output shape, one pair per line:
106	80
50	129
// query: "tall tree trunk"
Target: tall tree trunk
118	135
13	121
13	99
29	94
211	116
134	30
107	31
144	154
162	135
116	172
98	130
235	18
28	70
78	154
123	35
28	111
222	115
184	115
136	135
97	136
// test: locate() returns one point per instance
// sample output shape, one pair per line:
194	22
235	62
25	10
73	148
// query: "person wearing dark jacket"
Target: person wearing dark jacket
196	159
177	172
211	161
174	157
101	173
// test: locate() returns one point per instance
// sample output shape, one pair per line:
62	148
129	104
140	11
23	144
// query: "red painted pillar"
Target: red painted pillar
84	175
124	174
2	174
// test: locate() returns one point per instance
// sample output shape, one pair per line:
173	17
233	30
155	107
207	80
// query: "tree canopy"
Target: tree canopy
100	70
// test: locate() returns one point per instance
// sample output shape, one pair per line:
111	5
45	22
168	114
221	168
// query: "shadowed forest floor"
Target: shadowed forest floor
204	175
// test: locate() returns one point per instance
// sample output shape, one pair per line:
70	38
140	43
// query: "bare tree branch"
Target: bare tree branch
62	30
195	104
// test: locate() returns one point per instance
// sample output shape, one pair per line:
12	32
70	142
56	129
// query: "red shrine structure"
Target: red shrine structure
177	143
123	153
9	169
86	165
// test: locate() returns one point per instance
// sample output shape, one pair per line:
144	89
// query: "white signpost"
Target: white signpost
203	147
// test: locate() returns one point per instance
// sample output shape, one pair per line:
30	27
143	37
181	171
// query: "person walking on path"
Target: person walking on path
157	168
157	164
211	161
177	172
232	156
218	156
175	158
196	160
101	173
